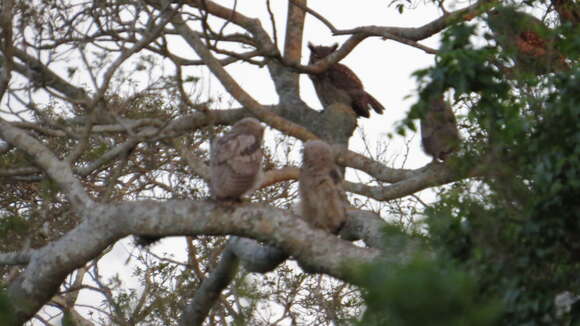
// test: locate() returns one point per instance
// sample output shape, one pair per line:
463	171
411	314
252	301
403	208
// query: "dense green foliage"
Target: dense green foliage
515	229
425	291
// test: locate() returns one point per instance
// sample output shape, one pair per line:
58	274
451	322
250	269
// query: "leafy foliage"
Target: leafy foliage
516	230
425	291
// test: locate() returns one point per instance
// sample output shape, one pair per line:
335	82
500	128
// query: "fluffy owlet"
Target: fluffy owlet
339	84
527	39
439	134
236	160
323	200
235	164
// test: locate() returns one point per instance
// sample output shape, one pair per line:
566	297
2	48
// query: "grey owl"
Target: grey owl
339	84
323	200
236	160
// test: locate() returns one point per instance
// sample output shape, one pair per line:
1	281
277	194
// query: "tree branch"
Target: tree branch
211	288
294	33
272	119
108	223
16	258
58	170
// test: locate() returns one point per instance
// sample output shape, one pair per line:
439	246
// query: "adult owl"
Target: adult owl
339	84
439	134
323	200
527	40
236	161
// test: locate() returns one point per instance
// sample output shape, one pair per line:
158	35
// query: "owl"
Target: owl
568	11
339	84
527	39
236	161
235	165
322	195
439	134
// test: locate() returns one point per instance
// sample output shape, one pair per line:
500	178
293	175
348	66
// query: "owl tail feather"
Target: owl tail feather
378	107
363	102
145	241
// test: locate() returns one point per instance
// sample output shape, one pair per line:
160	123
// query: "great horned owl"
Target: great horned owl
323	200
236	160
527	39
439	134
339	84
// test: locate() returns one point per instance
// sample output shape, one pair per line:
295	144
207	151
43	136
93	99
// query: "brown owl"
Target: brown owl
527	39
236	160
439	134
323	200
339	84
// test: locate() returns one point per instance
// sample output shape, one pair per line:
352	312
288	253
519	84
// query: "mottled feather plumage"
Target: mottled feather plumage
439	133
236	160
322	195
339	84
235	165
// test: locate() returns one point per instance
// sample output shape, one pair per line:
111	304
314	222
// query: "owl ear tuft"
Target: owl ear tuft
311	46
334	47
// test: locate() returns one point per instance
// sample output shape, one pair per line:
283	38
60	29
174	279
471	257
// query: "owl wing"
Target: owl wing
239	152
343	77
439	133
323	199
334	206
235	165
428	124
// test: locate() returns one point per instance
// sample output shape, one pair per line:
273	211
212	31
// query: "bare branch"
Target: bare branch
59	171
236	91
42	277
210	289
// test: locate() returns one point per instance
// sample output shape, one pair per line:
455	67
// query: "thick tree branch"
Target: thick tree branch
376	169
294	32
255	256
429	176
58	170
260	258
50	79
49	265
211	288
16	258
